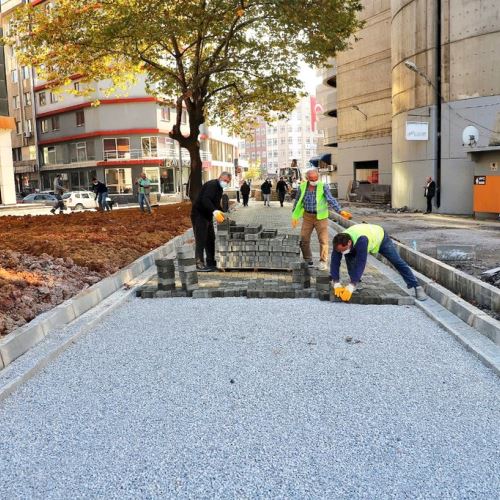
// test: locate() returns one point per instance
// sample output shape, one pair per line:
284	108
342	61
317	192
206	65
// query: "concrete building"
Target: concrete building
278	143
418	71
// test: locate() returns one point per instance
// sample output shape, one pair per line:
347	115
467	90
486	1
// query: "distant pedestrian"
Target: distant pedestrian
101	194
245	193
144	188
265	188
295	188
429	193
281	189
58	192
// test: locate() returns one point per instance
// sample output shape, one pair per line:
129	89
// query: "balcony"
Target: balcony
153	154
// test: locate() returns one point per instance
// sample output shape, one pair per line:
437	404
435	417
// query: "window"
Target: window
14	77
26	72
119	180
49	155
80	118
28	126
78	152
115	148
42	98
53	97
153	174
27	98
16	102
44	126
76	86
55	123
18	127
184	116
165	114
17	154
149	147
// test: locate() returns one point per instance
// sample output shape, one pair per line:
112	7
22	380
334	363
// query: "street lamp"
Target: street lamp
413	67
357	109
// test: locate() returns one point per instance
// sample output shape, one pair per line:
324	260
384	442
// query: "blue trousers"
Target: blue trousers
388	250
101	199
144	200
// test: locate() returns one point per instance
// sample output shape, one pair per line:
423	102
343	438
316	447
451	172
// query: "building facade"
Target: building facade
418	95
274	145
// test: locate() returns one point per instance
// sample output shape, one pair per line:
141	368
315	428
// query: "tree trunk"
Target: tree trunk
195	171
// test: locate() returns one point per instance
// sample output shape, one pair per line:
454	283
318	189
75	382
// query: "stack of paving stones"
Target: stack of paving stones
186	267
252	247
301	275
277	289
323	287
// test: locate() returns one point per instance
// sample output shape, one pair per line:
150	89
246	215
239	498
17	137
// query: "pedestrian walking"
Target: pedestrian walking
101	194
144	188
429	193
207	206
245	193
295	188
58	193
265	189
355	243
281	189
311	204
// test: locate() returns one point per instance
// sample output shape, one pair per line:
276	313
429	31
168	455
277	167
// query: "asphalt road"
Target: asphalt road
240	398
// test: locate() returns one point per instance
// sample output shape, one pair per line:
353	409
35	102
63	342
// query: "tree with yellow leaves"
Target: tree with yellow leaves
224	61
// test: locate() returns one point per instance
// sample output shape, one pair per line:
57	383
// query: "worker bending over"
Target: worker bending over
312	203
355	244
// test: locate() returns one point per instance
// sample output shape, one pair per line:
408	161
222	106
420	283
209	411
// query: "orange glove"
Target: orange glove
338	289
347	215
347	292
219	216
295	223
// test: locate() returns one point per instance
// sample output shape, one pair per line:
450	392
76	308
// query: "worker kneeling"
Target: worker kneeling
355	244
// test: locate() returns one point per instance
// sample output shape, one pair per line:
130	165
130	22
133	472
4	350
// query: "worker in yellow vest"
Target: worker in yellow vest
355	243
311	203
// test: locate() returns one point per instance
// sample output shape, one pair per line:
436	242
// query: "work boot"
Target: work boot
310	263
52	211
200	265
420	294
322	266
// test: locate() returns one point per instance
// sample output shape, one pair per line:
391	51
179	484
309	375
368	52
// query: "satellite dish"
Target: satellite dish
470	136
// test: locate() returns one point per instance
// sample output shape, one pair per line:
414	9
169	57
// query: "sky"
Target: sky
308	76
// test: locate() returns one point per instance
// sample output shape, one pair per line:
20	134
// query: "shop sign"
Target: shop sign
480	180
417	131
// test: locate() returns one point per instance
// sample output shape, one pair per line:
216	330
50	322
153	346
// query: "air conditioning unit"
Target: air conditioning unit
27	135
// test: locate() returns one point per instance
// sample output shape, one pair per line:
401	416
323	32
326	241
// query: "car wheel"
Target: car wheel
78	207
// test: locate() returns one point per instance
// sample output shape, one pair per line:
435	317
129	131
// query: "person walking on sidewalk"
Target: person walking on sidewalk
144	188
430	192
207	206
245	193
58	192
313	199
281	189
101	194
355	243
266	192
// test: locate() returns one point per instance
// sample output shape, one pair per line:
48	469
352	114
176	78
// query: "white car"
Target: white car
81	200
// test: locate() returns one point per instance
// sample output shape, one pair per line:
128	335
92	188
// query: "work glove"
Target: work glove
219	216
295	223
337	289
347	215
347	292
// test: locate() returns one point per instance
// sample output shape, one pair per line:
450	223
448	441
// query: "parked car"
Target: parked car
82	200
41	198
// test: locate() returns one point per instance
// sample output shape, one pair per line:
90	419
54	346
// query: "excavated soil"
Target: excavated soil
45	260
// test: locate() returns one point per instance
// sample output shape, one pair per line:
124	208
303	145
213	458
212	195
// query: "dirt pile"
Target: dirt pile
45	260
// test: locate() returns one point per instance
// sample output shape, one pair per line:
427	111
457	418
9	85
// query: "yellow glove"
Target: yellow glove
338	289
219	216
347	215
347	292
295	223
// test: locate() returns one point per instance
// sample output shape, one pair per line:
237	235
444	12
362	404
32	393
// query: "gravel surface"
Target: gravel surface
255	399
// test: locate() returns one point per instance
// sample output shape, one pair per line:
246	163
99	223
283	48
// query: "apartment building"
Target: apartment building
276	144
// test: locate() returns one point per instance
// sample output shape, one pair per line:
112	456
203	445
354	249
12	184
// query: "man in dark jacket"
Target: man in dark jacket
281	189
205	207
101	194
265	189
245	193
430	192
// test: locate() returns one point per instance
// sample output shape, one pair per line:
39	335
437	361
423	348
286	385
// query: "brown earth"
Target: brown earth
45	260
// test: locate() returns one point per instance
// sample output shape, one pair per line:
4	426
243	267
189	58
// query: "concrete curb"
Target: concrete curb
476	331
24	338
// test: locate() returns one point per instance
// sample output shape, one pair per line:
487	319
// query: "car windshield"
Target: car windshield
66	195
